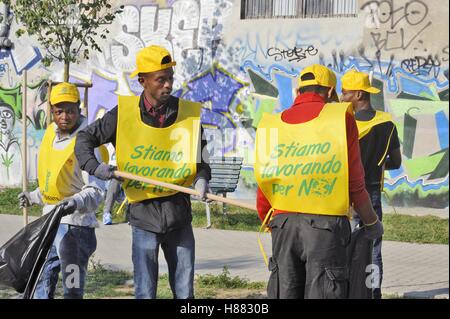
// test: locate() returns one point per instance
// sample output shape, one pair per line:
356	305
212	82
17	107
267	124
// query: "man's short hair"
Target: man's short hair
311	88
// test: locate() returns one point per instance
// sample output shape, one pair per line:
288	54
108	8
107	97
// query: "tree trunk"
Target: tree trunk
66	71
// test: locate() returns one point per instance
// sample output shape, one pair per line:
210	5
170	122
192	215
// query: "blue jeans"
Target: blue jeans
71	249
375	197
179	250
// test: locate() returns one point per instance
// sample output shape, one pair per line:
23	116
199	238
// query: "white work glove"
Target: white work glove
106	172
25	200
202	186
374	231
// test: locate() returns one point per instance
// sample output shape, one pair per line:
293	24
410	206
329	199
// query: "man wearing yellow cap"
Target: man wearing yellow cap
309	172
156	135
380	149
61	182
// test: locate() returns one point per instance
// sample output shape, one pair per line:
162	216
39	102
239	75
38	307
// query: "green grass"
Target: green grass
235	218
103	283
107	284
225	281
415	229
9	203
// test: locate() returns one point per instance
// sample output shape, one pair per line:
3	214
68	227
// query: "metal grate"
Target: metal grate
266	9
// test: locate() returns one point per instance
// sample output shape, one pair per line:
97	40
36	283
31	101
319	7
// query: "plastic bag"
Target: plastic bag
22	258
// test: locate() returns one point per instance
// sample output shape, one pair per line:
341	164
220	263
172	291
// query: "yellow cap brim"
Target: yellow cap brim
163	67
64	98
136	72
372	90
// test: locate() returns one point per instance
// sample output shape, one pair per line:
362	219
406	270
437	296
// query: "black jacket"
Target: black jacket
158	215
381	140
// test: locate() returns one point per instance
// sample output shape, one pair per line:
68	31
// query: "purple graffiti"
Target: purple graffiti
217	87
101	96
216	119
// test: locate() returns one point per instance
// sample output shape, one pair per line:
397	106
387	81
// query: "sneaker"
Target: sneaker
107	219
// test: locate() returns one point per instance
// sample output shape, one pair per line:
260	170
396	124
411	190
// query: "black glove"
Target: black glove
106	172
24	199
374	231
69	206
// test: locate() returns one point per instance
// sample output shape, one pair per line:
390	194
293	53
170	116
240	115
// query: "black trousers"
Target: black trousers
309	257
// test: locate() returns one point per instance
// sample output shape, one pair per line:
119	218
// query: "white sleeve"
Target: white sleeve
36	197
91	195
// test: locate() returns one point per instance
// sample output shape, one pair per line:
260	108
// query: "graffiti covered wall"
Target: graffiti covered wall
239	69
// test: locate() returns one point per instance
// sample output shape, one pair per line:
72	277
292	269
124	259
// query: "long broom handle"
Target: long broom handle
184	190
24	143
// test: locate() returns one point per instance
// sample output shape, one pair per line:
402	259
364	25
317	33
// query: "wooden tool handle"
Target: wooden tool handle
24	143
184	190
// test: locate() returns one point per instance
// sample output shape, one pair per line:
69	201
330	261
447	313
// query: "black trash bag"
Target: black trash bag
23	257
360	256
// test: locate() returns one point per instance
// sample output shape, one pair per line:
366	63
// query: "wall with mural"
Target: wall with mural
239	69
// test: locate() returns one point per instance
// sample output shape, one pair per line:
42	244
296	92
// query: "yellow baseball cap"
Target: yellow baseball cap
323	76
64	92
150	59
358	81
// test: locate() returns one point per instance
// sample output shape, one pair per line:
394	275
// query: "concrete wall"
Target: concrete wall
242	68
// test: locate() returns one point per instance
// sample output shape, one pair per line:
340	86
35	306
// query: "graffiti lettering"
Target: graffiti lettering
187	29
422	65
393	40
295	54
404	23
413	13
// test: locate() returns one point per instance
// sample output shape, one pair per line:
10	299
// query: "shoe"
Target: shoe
107	219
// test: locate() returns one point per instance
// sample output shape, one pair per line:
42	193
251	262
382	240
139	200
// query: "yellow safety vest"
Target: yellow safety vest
364	127
51	162
165	154
304	167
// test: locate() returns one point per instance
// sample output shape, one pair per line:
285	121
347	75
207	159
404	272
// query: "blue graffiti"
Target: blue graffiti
415	88
284	85
4	54
217	87
420	183
442	127
393	78
215	119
